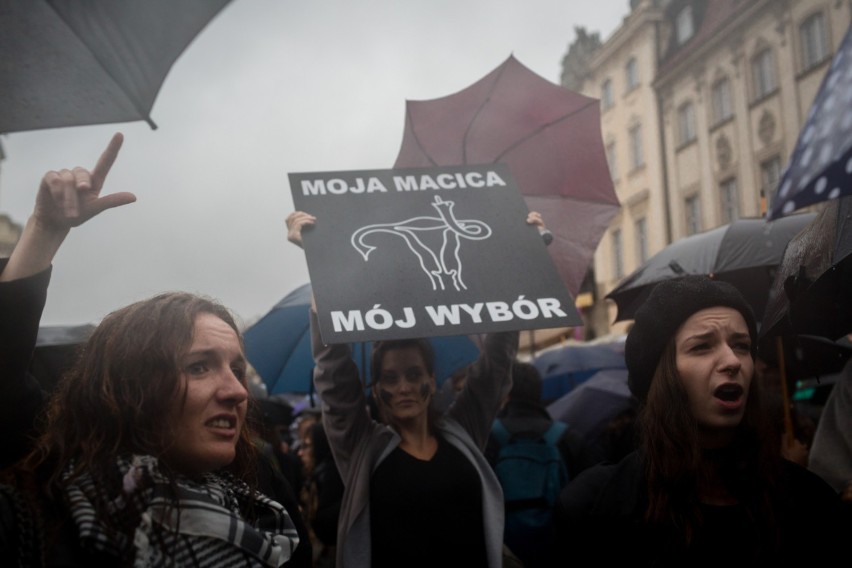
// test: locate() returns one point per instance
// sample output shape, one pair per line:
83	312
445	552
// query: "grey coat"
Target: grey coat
359	443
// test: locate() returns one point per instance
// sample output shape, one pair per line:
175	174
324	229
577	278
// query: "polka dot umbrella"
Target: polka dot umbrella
820	168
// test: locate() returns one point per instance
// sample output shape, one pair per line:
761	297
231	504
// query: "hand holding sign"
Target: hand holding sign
296	221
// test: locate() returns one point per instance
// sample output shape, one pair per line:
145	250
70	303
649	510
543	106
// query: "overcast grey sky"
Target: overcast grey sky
269	87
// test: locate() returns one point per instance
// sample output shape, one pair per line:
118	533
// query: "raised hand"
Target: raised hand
296	221
65	199
69	198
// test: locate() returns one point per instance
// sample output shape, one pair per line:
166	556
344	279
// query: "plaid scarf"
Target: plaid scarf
181	522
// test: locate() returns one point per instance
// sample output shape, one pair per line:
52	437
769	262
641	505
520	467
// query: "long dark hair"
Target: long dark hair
676	466
118	397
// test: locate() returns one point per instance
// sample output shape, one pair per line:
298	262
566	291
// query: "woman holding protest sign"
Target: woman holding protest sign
419	491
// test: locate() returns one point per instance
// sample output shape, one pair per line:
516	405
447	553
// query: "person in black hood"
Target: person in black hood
707	485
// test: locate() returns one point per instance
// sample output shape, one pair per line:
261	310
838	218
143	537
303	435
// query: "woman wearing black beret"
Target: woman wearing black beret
706	485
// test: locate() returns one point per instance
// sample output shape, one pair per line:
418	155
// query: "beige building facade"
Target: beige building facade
702	102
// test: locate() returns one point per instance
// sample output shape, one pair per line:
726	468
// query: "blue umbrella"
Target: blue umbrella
589	407
820	167
567	366
278	346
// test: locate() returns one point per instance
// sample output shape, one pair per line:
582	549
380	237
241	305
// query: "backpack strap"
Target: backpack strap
557	428
551	436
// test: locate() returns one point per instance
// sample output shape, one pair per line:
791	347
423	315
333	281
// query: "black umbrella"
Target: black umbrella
809	305
90	61
745	253
812	290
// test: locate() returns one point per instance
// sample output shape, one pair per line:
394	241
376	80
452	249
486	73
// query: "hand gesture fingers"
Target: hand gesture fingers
69	198
106	161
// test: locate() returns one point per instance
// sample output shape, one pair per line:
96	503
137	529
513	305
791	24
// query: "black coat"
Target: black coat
599	521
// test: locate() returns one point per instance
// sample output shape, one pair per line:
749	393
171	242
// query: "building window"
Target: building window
686	123
641	227
684	25
692	206
632	74
611	160
637	156
763	73
723	107
617	254
770	175
606	95
728	200
814	40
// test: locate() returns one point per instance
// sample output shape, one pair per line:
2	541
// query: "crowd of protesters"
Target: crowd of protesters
153	451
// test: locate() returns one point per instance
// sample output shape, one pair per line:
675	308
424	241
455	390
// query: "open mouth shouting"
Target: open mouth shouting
730	395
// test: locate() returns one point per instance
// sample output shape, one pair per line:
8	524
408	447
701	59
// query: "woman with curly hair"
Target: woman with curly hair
707	485
143	456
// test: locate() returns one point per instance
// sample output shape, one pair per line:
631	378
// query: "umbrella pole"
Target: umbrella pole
785	396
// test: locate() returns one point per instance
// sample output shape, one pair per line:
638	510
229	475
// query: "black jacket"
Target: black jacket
599	521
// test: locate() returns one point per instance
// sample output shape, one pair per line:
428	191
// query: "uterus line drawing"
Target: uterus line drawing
440	261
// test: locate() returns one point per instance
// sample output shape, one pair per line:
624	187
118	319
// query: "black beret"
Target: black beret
671	303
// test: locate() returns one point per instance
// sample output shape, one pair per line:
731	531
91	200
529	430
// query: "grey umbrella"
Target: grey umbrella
589	407
90	61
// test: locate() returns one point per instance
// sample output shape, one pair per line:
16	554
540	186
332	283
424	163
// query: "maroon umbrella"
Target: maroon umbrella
549	137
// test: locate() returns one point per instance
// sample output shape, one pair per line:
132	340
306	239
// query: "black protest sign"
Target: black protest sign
421	252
